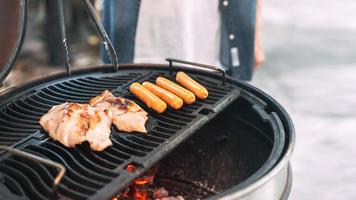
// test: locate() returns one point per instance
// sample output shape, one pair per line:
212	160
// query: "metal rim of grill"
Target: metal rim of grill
101	175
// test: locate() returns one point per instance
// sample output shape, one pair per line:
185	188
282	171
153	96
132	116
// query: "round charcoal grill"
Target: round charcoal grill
234	145
101	175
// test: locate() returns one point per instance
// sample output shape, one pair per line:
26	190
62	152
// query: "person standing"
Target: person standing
225	33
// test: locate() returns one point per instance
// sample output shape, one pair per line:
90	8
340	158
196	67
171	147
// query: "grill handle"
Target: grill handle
215	68
60	167
104	36
99	27
62	25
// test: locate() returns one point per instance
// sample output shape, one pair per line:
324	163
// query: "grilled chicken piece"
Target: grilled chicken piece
103	100
98	134
73	123
127	115
67	123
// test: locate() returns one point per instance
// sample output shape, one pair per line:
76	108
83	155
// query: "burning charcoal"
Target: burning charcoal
130	168
119	197
160	193
147	179
171	198
141	195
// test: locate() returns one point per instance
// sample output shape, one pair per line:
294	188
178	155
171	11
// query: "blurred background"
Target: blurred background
41	52
310	69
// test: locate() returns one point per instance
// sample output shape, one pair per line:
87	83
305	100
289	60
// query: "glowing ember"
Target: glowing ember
139	189
143	189
144	180
130	168
141	195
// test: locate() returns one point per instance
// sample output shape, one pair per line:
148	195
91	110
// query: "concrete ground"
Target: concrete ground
311	70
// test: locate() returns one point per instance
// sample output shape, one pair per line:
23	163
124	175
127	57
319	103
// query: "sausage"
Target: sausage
187	96
151	100
171	99
200	91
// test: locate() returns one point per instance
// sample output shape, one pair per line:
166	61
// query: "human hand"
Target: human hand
259	56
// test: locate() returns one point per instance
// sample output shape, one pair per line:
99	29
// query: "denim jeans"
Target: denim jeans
238	19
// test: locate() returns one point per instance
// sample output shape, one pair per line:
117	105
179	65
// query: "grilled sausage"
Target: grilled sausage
151	100
171	99
187	96
200	91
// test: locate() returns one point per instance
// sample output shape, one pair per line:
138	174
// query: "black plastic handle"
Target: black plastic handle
215	68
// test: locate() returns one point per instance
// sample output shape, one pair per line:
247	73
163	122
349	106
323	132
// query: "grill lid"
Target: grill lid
13	16
13	23
95	175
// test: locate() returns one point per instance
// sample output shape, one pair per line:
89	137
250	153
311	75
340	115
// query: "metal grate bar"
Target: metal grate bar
90	174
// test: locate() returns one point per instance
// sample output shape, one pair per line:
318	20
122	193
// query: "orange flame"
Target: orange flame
138	190
141	195
130	168
144	180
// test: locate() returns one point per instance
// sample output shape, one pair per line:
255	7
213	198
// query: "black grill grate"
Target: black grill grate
96	175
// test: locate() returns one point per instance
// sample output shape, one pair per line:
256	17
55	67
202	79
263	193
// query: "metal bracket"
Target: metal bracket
60	167
215	68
